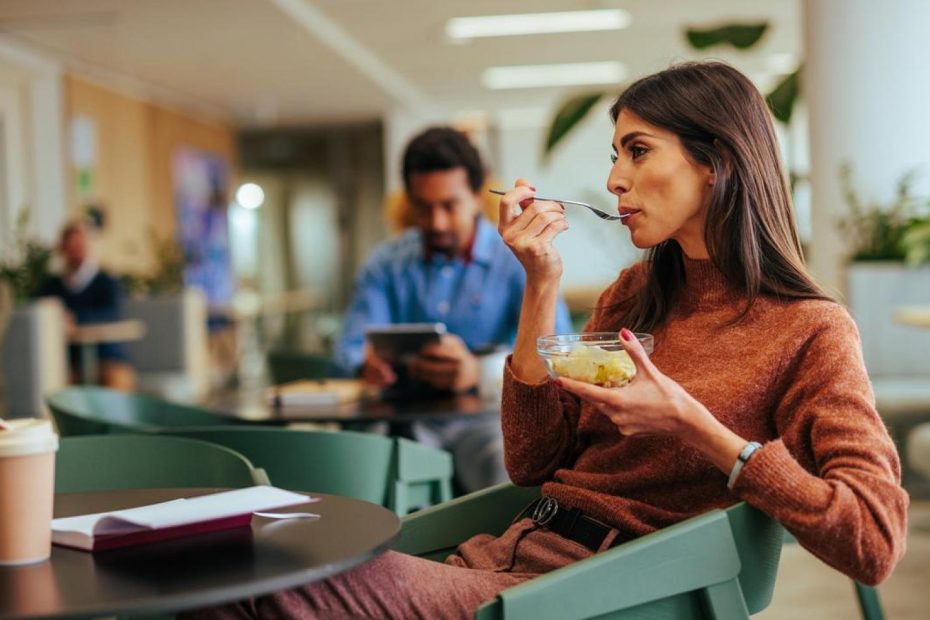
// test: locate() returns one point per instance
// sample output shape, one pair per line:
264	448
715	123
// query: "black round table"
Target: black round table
196	571
250	407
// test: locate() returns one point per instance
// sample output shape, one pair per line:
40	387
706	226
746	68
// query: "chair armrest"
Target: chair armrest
690	555
260	477
444	526
419	463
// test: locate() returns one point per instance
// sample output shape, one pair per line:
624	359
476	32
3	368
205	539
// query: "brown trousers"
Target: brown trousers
396	585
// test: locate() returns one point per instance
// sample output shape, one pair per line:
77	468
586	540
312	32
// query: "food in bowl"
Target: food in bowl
598	358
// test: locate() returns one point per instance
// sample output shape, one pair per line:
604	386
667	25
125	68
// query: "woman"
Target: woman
756	389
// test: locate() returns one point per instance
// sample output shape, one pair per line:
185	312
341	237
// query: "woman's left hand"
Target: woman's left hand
650	404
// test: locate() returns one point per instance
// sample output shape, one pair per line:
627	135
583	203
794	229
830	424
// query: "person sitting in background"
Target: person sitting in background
90	295
452	268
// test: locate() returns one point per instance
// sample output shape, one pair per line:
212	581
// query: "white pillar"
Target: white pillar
867	87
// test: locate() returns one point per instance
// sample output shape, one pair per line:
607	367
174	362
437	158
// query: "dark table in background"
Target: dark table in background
196	571
253	407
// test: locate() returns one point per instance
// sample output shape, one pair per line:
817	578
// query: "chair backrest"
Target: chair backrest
370	467
89	410
345	463
758	541
172	358
109	462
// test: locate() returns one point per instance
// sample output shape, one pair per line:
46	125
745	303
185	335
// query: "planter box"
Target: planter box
33	357
875	291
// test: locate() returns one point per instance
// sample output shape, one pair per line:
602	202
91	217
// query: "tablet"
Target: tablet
398	342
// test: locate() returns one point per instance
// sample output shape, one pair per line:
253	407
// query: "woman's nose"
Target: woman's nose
617	182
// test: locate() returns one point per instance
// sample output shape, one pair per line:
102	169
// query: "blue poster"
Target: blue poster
201	183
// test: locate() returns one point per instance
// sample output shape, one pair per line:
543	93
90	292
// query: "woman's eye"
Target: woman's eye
613	158
637	151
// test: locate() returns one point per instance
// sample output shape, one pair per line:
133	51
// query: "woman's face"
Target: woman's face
655	180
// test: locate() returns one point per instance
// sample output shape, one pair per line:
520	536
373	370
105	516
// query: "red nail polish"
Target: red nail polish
558	382
532	188
626	334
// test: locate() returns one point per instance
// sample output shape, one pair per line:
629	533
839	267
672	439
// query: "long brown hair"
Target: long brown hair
751	235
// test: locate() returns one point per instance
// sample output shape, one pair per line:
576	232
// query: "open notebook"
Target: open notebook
172	519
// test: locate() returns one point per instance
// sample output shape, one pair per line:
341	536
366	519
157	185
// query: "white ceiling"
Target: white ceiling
257	62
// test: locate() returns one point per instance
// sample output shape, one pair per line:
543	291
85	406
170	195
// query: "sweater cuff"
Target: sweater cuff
772	477
522	396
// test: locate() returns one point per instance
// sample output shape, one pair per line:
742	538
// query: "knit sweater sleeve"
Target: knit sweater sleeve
540	421
832	478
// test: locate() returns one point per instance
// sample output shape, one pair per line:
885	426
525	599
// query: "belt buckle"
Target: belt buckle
545	510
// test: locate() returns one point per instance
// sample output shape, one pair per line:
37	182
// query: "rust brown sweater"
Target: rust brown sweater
790	375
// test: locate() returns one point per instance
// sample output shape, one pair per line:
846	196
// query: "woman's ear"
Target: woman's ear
727	162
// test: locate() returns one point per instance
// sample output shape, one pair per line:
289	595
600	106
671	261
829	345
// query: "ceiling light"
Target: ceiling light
250	195
536	23
567	74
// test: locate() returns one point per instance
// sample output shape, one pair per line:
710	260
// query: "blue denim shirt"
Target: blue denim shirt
479	300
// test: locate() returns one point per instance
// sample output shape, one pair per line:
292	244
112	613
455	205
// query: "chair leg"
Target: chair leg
725	601
870	606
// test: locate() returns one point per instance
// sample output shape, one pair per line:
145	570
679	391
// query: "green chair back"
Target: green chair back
89	410
395	473
721	564
111	462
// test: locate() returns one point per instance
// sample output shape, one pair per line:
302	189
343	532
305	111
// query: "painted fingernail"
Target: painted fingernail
626	334
531	187
558	382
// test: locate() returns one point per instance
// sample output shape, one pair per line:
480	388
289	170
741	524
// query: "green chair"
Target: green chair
721	564
88	410
396	473
111	462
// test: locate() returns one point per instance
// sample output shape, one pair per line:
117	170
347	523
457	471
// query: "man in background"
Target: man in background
89	295
452	267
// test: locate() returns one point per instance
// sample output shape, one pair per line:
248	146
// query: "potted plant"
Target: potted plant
27	264
889	246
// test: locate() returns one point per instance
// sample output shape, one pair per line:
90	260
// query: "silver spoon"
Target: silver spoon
597	212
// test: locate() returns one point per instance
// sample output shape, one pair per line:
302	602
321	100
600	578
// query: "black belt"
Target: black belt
569	523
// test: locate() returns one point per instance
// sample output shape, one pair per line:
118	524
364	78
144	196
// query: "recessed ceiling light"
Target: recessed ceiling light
250	195
536	23
566	74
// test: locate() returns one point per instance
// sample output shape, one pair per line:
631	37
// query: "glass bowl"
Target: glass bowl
594	357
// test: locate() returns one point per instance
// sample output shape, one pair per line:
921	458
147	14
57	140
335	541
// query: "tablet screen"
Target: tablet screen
398	342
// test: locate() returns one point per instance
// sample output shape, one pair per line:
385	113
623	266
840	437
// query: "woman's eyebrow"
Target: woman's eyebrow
632	136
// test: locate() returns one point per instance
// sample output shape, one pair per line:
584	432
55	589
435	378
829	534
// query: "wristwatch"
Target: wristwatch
741	460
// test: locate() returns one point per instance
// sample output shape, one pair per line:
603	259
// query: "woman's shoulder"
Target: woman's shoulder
817	316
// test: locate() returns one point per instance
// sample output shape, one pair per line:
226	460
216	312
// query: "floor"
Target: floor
807	588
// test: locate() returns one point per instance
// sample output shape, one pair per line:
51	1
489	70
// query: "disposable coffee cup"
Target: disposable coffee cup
27	490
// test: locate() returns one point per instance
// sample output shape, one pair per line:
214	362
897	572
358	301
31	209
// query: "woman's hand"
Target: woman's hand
655	404
528	228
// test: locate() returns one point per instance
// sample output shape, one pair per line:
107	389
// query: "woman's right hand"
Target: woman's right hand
528	227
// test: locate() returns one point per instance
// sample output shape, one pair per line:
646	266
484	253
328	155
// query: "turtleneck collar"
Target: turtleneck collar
705	285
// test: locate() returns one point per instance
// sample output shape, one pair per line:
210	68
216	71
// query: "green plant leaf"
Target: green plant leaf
740	36
781	100
568	116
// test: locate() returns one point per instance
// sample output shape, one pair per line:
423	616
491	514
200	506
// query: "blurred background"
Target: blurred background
239	159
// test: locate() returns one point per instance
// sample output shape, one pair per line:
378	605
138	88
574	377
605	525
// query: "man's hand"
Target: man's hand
448	365
375	371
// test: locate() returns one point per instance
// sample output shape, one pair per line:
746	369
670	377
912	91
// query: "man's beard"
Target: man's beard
442	243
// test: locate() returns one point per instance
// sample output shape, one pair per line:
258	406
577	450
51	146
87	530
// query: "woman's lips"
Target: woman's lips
629	212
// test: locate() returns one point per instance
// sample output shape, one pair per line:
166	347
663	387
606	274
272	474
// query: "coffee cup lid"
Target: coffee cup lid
27	436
